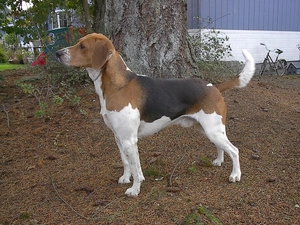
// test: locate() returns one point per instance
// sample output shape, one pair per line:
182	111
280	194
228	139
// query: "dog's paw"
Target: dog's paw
235	177
132	192
124	180
141	178
217	162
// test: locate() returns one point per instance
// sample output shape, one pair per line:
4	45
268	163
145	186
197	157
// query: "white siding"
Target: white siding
251	39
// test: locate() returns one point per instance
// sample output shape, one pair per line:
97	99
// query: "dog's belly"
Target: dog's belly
146	129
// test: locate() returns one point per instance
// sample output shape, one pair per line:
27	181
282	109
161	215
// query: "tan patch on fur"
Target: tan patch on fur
228	84
212	102
131	93
120	86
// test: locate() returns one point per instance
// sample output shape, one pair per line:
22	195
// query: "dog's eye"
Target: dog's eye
81	46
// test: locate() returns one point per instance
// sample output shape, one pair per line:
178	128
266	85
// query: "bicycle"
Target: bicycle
279	65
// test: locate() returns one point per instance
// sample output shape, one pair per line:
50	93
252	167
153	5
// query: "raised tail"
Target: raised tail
244	77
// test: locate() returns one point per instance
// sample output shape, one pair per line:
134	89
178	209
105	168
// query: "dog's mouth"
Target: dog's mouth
59	53
61	57
59	60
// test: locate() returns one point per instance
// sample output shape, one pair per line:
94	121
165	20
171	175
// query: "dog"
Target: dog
135	106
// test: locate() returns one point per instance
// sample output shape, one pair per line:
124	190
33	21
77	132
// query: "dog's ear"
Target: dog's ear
101	53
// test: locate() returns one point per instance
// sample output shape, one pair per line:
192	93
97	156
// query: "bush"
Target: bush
3	56
53	85
212	45
61	76
210	48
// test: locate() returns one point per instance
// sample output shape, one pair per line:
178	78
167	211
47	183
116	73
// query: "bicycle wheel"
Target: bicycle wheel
281	66
263	67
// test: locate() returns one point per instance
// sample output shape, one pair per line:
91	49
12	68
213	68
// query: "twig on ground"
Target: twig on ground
104	207
93	218
14	219
6	113
111	217
180	161
56	191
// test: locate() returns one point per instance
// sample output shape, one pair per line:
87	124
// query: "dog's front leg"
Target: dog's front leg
130	157
125	178
125	125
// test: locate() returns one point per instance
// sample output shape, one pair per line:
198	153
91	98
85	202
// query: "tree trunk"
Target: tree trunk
87	17
151	36
99	13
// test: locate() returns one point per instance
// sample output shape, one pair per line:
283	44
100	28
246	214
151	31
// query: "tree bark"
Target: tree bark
99	14
87	17
151	36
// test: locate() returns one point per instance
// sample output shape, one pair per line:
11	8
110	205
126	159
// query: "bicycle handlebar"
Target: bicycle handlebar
265	46
276	50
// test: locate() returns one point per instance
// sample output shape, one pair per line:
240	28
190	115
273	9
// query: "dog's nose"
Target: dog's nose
59	53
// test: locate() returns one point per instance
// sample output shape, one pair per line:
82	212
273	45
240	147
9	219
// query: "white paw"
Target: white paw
217	162
235	177
142	178
124	180
133	192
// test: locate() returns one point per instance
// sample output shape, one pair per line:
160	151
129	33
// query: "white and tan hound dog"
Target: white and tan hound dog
135	106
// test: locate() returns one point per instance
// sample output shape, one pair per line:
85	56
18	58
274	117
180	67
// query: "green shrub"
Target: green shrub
53	85
210	47
3	56
61	76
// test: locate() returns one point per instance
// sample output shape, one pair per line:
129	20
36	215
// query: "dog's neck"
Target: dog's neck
114	76
96	76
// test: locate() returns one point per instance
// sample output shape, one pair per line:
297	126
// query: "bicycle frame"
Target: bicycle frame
279	65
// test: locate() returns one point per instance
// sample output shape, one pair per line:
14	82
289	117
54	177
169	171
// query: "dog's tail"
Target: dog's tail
244	77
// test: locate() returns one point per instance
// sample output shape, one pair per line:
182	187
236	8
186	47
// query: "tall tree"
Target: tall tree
29	23
99	15
87	17
151	36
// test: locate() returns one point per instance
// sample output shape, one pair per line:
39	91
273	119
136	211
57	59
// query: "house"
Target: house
293	68
248	23
63	18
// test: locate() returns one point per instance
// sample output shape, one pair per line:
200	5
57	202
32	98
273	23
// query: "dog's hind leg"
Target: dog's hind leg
220	158
216	133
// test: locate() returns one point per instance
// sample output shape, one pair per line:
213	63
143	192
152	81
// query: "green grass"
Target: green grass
152	171
204	211
195	217
8	66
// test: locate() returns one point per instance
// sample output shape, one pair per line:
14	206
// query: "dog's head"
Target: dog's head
91	51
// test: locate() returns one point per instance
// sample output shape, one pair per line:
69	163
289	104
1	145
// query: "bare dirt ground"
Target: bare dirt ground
64	169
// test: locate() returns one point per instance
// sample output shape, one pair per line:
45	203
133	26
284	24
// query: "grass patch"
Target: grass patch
24	216
195	217
204	211
206	161
8	66
192	169
152	171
